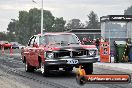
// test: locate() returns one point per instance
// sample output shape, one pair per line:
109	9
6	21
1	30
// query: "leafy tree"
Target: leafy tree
3	36
48	21
23	27
10	36
29	23
74	24
12	25
128	11
93	21
59	24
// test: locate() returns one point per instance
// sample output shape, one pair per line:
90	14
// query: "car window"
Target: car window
36	40
62	38
31	41
42	40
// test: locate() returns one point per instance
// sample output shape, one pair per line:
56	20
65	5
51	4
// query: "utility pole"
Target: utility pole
42	18
41	15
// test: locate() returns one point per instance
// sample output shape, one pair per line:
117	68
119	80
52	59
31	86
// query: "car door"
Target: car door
42	43
35	51
31	51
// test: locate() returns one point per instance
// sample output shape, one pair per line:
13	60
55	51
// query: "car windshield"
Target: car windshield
59	39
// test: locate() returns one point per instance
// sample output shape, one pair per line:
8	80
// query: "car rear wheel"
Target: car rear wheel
44	70
88	68
29	68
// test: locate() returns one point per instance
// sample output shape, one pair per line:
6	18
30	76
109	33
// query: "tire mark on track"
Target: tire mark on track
8	67
48	82
16	72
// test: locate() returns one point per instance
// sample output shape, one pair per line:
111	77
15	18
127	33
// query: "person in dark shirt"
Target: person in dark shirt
97	43
87	41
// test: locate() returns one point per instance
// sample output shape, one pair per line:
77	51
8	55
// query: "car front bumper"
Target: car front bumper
65	61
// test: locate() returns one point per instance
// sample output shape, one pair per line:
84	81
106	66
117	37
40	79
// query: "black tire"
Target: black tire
29	68
68	69
44	69
88	68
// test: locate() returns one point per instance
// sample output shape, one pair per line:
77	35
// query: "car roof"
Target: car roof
4	42
14	42
55	33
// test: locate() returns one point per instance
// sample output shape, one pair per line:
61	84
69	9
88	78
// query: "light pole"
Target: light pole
42	18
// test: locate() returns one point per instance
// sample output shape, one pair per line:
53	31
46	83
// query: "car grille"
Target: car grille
61	54
72	54
79	53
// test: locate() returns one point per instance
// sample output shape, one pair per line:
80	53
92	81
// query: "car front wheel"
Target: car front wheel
28	68
44	69
88	68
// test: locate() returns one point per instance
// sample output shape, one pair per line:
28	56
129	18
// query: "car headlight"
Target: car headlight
49	55
92	52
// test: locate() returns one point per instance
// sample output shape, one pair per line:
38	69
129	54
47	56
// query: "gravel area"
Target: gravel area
6	81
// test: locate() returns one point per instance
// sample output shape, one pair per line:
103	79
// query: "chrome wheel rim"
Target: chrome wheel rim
26	66
42	68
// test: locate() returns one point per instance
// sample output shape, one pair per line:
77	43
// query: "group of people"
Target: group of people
88	41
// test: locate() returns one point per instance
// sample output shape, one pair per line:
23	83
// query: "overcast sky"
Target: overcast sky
62	8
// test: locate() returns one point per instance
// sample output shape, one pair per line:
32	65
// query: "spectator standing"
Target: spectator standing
97	43
84	41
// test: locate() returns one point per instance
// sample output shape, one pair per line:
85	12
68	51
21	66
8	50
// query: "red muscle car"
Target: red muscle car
52	51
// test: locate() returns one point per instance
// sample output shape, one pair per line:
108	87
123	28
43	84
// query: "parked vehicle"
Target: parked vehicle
52	51
15	45
21	46
5	44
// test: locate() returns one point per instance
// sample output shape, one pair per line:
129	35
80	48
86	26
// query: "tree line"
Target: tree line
28	24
